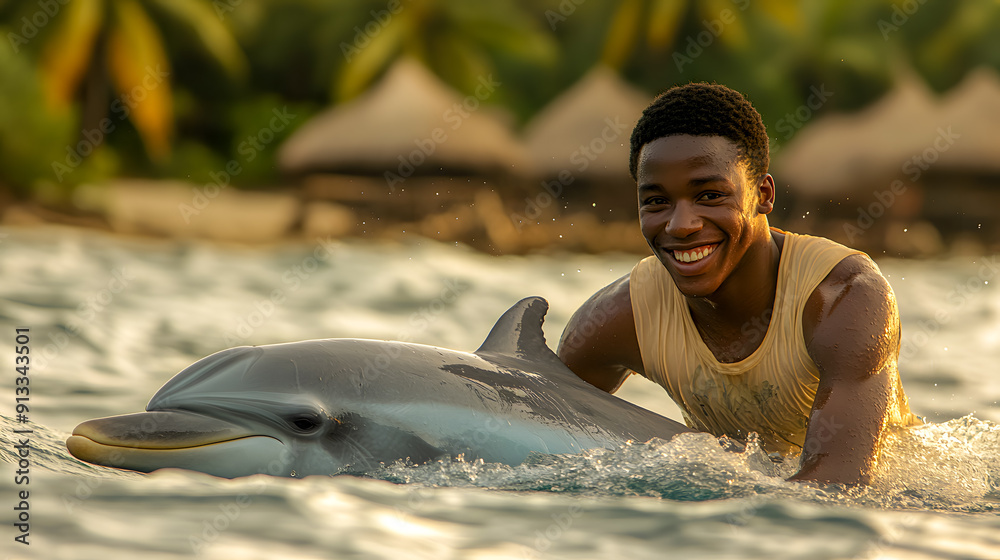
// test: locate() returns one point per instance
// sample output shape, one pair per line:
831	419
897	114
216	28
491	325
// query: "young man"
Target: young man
747	327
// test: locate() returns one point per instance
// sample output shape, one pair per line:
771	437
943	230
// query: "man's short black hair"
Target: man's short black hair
702	109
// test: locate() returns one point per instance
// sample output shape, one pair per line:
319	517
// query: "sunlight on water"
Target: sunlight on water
936	494
953	466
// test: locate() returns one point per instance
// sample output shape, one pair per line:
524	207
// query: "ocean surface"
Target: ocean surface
112	319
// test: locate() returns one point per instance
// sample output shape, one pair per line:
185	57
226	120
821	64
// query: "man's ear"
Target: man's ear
765	195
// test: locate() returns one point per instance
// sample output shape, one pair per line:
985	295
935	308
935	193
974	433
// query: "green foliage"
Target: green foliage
32	138
258	134
234	61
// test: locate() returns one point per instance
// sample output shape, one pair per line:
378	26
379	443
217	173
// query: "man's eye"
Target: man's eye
655	200
711	196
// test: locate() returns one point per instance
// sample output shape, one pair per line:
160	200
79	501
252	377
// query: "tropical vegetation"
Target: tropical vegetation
172	88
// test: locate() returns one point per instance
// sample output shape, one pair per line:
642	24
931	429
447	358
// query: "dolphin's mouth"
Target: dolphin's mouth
148	441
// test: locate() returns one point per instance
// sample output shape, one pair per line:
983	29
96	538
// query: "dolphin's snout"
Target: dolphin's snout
147	441
160	430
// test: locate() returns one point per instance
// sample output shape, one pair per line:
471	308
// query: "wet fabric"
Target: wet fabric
770	392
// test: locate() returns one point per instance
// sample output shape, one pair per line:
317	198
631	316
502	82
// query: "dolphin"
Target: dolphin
348	405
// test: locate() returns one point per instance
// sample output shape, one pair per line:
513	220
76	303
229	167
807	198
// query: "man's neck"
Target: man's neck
746	294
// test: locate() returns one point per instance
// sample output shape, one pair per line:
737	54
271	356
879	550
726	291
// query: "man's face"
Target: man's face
696	209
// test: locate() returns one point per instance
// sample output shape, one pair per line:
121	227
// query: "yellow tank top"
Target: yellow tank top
770	392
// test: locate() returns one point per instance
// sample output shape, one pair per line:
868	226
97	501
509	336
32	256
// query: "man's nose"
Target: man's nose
683	222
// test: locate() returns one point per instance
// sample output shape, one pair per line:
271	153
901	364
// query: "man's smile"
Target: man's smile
694	260
694	254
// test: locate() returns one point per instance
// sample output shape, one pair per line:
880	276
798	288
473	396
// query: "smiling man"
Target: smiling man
748	328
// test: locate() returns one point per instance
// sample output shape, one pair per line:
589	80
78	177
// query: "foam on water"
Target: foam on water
954	466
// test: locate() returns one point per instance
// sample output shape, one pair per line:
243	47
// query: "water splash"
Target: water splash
953	466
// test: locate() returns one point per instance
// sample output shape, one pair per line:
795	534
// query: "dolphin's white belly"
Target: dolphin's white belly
504	437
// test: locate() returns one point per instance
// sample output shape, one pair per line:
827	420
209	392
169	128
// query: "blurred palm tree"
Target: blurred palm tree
659	21
944	40
98	44
456	39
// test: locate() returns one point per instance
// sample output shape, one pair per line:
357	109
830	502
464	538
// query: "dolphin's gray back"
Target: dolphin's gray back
510	397
515	383
517	342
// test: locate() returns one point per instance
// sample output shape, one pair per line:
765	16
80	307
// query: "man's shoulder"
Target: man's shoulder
854	290
814	242
849	264
613	298
857	271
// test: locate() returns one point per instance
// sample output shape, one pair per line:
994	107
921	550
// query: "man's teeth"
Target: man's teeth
694	254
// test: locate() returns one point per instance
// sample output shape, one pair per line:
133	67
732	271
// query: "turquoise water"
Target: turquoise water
111	320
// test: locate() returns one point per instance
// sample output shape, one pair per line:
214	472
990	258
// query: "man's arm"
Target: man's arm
851	329
599	343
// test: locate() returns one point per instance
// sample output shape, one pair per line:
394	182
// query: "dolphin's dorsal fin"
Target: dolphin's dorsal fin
517	337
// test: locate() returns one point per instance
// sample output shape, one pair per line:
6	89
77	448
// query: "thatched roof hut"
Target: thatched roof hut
408	117
972	110
586	130
910	163
840	153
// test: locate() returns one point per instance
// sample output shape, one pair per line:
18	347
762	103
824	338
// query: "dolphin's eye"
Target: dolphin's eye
305	422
